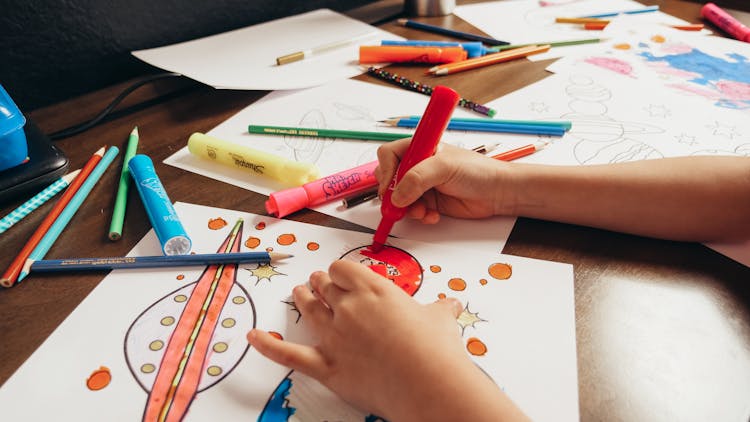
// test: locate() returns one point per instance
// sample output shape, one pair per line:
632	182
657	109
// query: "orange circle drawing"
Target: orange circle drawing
500	271
260	226
457	284
99	379
286	239
252	242
623	46
441	296
483	281
312	246
277	335
216	223
476	347
181	277
658	39
435	268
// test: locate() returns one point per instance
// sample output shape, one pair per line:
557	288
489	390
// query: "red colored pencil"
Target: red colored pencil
11	274
519	152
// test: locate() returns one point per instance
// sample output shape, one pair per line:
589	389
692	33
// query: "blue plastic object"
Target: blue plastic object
13	147
473	49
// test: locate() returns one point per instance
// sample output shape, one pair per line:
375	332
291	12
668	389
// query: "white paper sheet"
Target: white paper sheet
616	118
526	324
246	58
530	21
350	105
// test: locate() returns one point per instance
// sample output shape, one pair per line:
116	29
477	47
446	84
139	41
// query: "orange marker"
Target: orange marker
10	276
519	152
488	59
410	54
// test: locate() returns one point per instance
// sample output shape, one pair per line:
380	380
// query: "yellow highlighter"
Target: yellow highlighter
256	162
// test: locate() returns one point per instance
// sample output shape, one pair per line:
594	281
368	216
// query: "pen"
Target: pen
473	48
121	200
423	144
410	54
303	54
451	33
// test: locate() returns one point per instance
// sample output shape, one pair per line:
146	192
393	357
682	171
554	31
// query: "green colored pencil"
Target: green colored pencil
118	214
551	44
326	133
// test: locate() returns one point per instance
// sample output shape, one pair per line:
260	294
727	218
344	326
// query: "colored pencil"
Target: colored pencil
359	198
519	152
10	276
303	54
36	201
160	261
325	133
564	124
581	20
449	32
67	214
487	60
485	127
687	27
645	9
121	200
551	44
426	89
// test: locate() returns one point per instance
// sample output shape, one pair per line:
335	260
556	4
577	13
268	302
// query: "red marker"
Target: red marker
423	145
726	22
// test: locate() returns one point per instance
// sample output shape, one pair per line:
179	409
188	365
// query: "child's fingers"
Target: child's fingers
424	176
329	292
389	155
451	305
352	276
305	359
312	310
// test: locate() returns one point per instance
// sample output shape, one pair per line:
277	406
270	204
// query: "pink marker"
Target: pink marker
323	190
726	22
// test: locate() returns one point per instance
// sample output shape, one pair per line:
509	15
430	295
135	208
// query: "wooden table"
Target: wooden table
663	328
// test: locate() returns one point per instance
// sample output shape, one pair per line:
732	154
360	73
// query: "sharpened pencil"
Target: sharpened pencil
121	200
326	133
159	261
489	59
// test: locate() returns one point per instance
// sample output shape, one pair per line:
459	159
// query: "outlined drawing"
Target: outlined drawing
186	342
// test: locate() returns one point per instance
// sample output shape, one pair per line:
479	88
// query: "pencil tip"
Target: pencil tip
22	276
402	21
135	131
275	256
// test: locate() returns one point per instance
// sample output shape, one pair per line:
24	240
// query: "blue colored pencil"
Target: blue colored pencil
159	261
67	214
624	12
485	127
36	201
449	32
564	124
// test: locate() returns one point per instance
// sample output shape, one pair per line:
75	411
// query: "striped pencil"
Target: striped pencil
159	261
35	202
67	214
10	276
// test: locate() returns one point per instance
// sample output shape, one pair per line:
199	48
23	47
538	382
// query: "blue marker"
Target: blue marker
473	49
172	236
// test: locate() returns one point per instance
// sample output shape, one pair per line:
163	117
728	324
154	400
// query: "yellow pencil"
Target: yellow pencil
488	59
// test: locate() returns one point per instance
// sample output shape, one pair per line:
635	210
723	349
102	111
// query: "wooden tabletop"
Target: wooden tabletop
663	328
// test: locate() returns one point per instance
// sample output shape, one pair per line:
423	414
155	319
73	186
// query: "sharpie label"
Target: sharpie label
240	161
336	185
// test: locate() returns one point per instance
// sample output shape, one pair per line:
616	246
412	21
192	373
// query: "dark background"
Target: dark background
51	50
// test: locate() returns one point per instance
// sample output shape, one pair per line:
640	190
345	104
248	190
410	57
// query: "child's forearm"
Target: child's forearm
688	198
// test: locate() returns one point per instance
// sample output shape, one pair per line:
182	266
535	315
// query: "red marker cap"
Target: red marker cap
423	145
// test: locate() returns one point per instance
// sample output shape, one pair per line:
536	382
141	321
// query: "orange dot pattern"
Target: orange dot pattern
216	223
476	347
500	271
99	379
286	239
181	277
457	284
252	242
441	296
260	226
483	281
312	246
435	268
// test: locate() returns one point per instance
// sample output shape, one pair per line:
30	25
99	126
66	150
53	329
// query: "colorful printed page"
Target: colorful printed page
246	58
616	119
349	105
533	21
715	69
171	342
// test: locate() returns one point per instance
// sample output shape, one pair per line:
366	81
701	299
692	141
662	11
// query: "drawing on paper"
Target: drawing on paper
187	341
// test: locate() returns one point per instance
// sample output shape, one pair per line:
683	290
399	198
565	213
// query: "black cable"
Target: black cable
82	127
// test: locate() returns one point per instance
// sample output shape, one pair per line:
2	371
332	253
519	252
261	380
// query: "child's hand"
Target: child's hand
379	349
455	182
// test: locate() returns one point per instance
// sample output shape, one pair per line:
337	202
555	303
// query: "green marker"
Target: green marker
326	133
118	214
551	44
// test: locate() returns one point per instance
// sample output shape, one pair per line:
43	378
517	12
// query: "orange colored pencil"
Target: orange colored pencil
687	27
519	152
581	20
488	59
11	274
